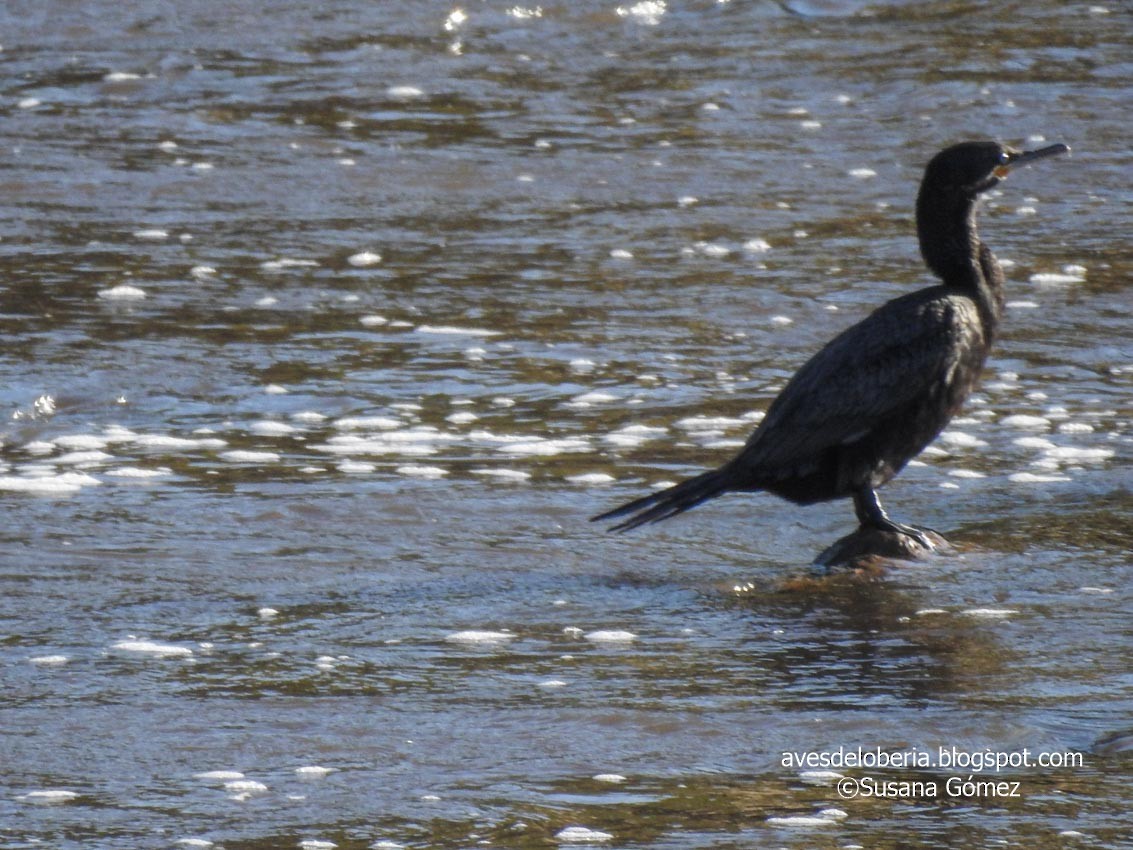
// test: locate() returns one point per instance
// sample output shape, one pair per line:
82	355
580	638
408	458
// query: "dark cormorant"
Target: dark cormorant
882	390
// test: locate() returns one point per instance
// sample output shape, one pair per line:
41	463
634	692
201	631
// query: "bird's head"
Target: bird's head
969	168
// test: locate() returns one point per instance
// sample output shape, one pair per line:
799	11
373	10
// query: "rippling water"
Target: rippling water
328	326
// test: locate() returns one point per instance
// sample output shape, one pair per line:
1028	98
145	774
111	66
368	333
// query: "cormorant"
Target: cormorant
879	392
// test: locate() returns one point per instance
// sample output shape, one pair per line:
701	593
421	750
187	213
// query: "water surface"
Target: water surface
328	328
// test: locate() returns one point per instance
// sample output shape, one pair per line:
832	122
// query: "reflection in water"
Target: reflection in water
349	314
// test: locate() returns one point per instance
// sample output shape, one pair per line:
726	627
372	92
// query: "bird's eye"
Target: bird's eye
1004	158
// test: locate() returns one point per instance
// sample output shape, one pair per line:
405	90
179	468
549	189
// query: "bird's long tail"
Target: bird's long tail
670	501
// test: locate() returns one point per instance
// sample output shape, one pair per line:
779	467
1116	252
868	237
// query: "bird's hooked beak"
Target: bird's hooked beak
1017	158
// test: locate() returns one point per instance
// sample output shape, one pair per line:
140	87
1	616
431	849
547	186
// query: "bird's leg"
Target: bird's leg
871	515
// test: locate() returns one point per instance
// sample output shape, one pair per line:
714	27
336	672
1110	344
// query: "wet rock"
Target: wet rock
866	547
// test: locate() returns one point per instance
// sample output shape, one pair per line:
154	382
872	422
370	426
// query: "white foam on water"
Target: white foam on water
271	428
86	459
1033	443
193	842
1056	279
593	397
591	478
80	442
479	636
582	835
1075	428
355	467
169	442
373	320
137	473
1068	275
925	612
285	263
122	292
862	173
266	613
1035	478
463	417
731	443
552	684
46	484
363	423
621	254
149	647
404	92
153	234
545	448
610	636
826	817
1026	422
713	249
633	435
503	474
453	330
313	771
249	456
48	796
990	613
648	12
1096	590
364	258
49	660
960	440
612	778
1078	454
1022	305
420	471
219	775
244	788
967	473
316	844
386	845
820	777
400	443
202	272
309	416
709	423
117	434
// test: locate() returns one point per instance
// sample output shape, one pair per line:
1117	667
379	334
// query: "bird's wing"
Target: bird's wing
866	374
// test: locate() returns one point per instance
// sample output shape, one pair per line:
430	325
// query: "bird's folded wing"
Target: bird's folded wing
901	354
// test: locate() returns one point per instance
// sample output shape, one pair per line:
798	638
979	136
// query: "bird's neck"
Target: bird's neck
951	247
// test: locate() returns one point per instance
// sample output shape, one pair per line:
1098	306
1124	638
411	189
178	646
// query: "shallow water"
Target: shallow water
328	329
